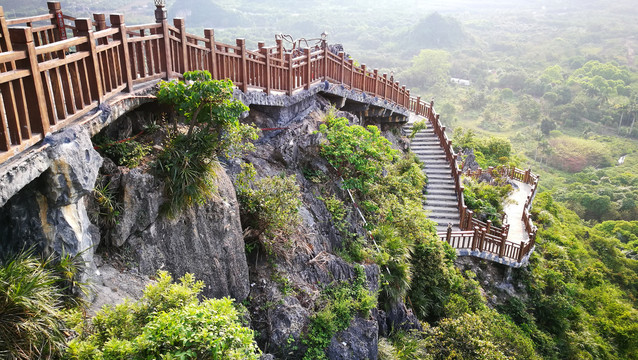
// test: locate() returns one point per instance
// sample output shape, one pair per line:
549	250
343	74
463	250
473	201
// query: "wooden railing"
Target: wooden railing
477	235
55	68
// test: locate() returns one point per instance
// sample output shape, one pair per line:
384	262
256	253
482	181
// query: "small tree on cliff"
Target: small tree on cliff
189	160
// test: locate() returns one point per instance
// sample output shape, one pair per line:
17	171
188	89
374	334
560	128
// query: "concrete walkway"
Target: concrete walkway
514	211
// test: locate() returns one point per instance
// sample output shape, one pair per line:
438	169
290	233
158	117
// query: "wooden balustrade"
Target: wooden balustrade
67	66
77	63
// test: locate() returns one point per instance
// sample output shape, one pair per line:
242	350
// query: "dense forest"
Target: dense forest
555	83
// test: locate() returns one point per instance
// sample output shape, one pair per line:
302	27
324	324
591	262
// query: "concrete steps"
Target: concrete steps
441	202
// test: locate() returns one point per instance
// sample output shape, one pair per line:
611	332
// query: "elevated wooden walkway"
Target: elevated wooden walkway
510	244
55	69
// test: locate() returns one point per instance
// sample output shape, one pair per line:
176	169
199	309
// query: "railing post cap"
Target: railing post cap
21	34
117	19
178	21
83	24
209	32
54	5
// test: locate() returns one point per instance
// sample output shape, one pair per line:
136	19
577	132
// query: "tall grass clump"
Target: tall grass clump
34	294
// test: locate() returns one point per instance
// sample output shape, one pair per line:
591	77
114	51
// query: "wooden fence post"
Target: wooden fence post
376	81
117	21
5	45
95	77
212	48
475	238
470	215
183	53
325	62
364	67
448	235
489	226
308	74
501	251
22	38
342	57
55	9
165	45
100	24
266	52
351	61
280	49
522	252
481	243
241	43
291	74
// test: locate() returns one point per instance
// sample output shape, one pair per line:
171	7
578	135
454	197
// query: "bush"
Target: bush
169	322
188	162
358	153
129	152
486	200
340	303
33	296
270	206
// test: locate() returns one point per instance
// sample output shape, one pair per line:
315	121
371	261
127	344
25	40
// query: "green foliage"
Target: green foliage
270	206
108	206
486	200
581	289
489	151
33	296
169	322
188	166
485	335
418	126
429	68
128	152
358	153
188	162
482	335
573	154
338	304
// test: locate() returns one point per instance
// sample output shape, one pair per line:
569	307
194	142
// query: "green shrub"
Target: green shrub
33	296
188	165
270	206
169	322
486	200
358	153
339	305
418	126
189	161
129	152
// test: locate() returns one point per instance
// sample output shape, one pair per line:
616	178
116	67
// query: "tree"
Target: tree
529	111
189	161
169	322
547	125
429	68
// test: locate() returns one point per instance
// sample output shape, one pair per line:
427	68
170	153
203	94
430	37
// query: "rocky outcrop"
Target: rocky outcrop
49	213
205	240
359	341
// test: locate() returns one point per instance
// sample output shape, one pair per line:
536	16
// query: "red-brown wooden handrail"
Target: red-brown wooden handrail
69	77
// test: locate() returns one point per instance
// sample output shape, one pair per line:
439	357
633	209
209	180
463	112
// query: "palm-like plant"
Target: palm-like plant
33	294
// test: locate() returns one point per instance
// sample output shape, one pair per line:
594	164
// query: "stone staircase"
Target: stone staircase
441	201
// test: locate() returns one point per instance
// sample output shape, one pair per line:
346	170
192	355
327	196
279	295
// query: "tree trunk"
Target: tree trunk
620	122
632	124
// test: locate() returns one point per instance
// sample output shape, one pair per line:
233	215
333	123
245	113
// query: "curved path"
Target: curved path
514	211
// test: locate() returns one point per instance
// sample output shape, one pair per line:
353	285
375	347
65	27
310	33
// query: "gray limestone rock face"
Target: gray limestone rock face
205	240
49	213
74	166
359	341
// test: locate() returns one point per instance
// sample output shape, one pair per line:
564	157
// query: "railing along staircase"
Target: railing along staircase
54	69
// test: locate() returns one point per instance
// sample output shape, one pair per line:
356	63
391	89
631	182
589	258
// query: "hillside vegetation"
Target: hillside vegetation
553	87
